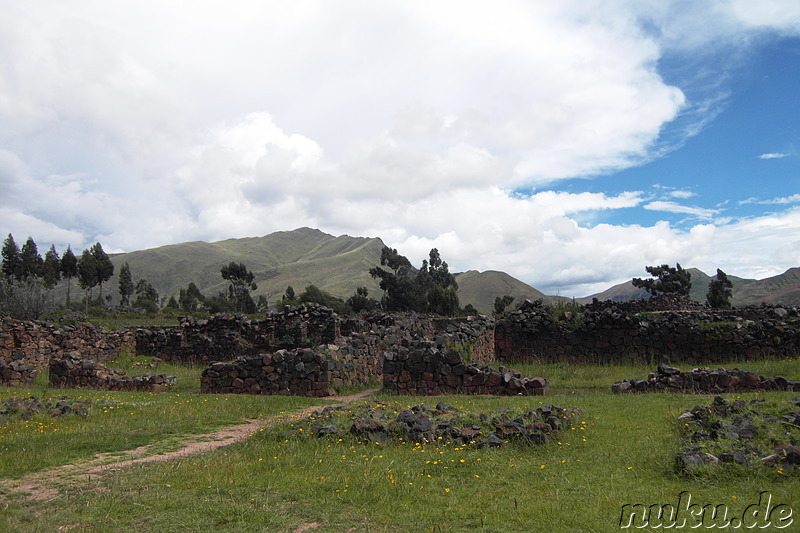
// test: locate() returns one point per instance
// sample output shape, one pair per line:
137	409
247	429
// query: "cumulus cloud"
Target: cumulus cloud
773	155
142	124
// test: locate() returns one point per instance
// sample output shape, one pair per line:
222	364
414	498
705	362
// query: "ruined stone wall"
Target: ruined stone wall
420	368
299	372
16	373
36	342
73	371
226	337
357	356
704	381
607	333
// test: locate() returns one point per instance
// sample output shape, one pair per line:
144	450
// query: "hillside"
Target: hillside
481	288
298	258
783	289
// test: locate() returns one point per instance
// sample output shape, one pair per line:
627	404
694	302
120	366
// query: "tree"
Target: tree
439	286
69	268
190	299
30	262
146	296
126	287
720	291
667	280
313	294
430	289
172	303
289	297
469	310
360	301
241	284
87	274
11	260
501	303
51	269
105	268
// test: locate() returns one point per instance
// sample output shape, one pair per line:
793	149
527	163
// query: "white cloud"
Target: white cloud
682	194
773	155
673	207
142	124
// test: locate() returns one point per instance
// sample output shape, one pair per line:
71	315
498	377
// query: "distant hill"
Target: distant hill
783	289
298	258
481	288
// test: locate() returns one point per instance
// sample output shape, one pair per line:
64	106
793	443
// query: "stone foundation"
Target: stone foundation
607	332
704	381
71	371
16	373
420	368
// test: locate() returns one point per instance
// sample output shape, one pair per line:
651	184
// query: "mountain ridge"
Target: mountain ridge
340	264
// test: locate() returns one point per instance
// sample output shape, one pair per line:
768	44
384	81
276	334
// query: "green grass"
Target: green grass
274	481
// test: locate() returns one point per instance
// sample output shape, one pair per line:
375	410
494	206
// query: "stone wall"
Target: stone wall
421	368
300	372
355	357
704	381
36	342
226	337
608	332
16	373
73	371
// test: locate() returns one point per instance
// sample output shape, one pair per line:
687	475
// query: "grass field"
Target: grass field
620	452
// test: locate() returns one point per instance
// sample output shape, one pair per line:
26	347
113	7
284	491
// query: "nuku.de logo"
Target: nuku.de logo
685	514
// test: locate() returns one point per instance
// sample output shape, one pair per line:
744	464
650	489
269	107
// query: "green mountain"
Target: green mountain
298	258
783	289
301	257
481	288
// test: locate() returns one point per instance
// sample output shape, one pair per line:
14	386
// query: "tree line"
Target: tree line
28	280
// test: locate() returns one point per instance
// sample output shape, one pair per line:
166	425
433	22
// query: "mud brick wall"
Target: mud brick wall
73	372
419	368
704	381
299	372
226	337
36	342
608	332
16	373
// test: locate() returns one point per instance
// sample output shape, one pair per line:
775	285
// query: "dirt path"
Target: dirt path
47	484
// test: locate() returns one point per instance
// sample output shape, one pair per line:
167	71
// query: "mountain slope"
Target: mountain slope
481	288
783	289
299	258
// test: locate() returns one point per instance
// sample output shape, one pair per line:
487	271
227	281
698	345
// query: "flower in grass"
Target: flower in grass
447	489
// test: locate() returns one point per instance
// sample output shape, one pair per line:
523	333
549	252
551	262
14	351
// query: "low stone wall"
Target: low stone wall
226	337
36	342
16	373
300	372
72	371
420	368
704	381
606	332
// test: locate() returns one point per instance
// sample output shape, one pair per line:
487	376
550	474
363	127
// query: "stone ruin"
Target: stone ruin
16	373
72	371
704	381
300	372
648	331
421	368
409	354
36	342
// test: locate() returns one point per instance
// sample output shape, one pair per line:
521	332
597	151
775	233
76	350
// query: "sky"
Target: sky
569	144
